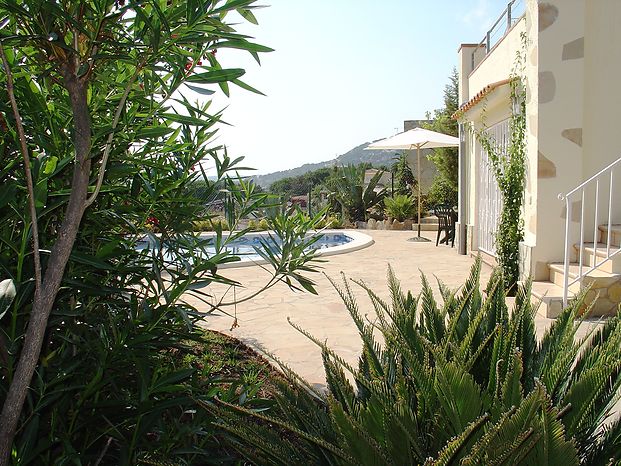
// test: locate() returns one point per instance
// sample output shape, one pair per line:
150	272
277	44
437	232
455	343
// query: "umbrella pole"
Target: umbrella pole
418	184
418	238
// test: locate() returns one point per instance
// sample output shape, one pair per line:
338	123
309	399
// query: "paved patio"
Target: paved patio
263	320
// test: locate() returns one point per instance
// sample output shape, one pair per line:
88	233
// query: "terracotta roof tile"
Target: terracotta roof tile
479	96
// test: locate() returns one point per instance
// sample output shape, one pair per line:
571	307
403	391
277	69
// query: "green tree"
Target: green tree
99	147
446	159
405	182
301	184
442	192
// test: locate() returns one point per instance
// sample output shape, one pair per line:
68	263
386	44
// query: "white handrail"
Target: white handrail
562	196
580	191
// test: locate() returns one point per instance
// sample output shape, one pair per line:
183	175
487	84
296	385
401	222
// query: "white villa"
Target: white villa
572	74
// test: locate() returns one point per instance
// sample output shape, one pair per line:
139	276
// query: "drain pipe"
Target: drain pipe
461	200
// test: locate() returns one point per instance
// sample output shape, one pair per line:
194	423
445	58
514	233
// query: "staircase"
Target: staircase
592	265
604	281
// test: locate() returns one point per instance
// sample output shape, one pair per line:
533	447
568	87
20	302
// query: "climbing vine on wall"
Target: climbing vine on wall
509	167
510	170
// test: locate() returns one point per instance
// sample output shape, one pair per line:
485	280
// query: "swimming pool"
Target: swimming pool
331	242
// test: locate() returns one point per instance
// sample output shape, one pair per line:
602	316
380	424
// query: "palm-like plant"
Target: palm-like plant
354	195
400	206
465	382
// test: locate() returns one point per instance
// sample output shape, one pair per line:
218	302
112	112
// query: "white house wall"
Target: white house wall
531	78
498	64
602	93
573	64
559	119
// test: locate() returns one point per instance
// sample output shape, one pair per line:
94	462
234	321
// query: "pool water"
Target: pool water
244	247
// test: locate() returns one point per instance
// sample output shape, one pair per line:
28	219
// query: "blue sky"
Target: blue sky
343	72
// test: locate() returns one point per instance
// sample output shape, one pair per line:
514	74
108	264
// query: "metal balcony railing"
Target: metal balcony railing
606	175
513	12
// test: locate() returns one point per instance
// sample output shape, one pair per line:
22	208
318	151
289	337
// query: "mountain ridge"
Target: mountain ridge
354	156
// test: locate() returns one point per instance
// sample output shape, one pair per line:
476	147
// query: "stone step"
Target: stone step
557	276
615	234
549	297
592	255
426	225
604	287
598	277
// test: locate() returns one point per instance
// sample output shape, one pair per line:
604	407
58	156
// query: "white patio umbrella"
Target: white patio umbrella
417	138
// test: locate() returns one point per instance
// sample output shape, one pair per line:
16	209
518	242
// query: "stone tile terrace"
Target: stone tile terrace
263	320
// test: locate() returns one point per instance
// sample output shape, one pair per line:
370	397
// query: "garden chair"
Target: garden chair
446	224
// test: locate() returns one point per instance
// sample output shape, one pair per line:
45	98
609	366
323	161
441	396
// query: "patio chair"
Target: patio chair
446	224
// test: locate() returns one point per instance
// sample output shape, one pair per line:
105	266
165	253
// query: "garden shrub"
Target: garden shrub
400	207
263	225
441	193
333	221
211	224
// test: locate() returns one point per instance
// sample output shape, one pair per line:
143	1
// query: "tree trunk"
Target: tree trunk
59	256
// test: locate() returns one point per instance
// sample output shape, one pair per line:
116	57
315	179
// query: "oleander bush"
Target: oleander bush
457	382
100	156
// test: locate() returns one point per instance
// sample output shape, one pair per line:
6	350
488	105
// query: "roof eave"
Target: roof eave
479	96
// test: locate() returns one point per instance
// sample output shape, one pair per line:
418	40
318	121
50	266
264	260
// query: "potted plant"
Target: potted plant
400	207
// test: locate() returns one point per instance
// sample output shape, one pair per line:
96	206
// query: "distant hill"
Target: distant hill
355	156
